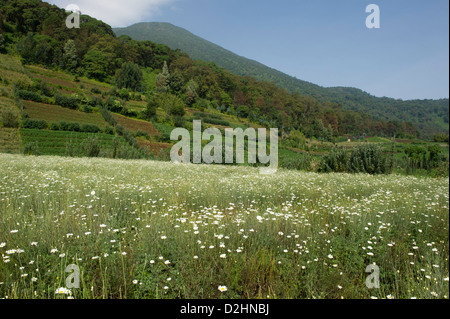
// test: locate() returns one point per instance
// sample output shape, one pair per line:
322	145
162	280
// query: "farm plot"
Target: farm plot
55	114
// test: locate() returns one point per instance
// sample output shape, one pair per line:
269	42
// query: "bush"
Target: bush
335	161
119	130
31	149
74	127
92	147
128	113
34	124
368	158
150	112
70	102
96	91
54	127
9	118
90	128
86	108
29	95
108	116
63	126
109	130
142	134
113	105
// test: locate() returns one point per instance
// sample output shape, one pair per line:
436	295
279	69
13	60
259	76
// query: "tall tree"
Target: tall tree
129	76
70	56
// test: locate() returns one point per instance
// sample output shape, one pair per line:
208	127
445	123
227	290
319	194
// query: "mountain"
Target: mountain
429	116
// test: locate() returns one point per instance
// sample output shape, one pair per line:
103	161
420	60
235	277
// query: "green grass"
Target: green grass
56	114
57	142
9	140
142	229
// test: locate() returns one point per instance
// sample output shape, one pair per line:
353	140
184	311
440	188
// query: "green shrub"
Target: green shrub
92	147
108	116
34	124
31	149
63	126
73	127
9	118
142	134
335	161
90	128
29	95
109	130
368	158
70	102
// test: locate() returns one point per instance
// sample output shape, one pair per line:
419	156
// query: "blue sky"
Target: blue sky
325	42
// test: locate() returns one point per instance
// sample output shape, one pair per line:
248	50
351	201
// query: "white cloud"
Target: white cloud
117	13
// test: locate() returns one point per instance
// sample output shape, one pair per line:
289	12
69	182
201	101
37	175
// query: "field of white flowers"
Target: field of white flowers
141	229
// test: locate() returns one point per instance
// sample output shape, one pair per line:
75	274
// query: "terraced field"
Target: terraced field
72	143
54	114
9	140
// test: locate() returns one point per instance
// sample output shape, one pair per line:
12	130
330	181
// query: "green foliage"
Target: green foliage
191	92
89	128
335	161
129	76
9	118
34	124
108	116
31	149
39	49
441	138
365	158
397	117
70	102
162	80
150	111
368	158
172	104
95	65
297	139
92	147
29	95
2	44
70	56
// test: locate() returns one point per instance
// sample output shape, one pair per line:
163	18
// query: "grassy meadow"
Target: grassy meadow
143	229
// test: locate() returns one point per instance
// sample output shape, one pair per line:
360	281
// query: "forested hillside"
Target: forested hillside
429	116
36	31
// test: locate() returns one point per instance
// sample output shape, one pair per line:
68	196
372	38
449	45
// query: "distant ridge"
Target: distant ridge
429	116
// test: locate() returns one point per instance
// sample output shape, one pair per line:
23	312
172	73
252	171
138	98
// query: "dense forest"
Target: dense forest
36	31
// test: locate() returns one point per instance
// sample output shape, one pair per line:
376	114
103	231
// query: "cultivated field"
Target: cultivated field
141	229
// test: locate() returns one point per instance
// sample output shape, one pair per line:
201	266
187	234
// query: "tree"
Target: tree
176	82
162	80
150	112
70	56
95	65
9	118
226	99
172	104
191	92
129	77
